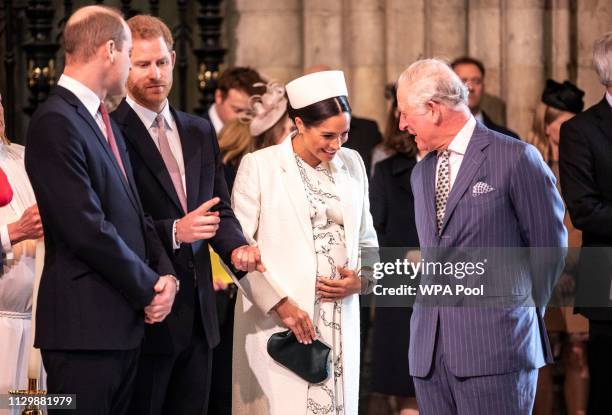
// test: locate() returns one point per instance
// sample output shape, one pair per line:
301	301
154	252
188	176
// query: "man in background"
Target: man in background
472	73
234	88
585	167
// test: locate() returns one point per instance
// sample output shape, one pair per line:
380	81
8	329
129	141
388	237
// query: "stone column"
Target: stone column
446	22
560	40
484	40
323	33
405	35
594	19
365	47
268	36
484	44
524	61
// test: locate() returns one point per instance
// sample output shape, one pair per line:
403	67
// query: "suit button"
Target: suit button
190	264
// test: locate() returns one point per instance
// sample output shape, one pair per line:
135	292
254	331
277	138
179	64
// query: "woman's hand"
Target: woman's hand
296	319
332	290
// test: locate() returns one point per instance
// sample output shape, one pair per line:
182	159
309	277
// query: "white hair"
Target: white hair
602	58
433	80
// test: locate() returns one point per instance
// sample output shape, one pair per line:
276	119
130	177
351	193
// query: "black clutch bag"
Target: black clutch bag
308	361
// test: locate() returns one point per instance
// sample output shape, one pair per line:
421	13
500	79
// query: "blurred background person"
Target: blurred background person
585	166
6	192
568	332
392	207
234	87
265	123
20	227
391	137
472	73
305	203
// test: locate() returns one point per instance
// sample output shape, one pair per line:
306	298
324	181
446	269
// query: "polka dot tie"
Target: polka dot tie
442	187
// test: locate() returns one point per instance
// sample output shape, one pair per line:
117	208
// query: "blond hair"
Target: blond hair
543	116
235	141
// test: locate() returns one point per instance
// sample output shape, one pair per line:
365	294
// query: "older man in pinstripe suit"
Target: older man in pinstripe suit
477	189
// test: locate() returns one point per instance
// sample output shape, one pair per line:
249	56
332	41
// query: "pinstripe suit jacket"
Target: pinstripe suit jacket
524	210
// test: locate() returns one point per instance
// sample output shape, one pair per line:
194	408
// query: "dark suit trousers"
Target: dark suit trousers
441	392
599	355
176	383
101	380
221	388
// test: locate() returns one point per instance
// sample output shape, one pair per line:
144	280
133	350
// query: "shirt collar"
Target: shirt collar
147	116
462	139
87	97
479	117
215	119
609	98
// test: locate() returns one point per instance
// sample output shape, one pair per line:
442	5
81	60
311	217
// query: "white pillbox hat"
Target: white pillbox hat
315	87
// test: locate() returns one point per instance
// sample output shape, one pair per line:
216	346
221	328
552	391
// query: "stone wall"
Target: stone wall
521	42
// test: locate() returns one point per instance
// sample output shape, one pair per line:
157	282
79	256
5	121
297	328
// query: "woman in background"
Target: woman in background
568	332
386	148
264	124
20	227
392	207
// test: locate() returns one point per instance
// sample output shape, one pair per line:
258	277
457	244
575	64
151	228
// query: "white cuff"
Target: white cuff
175	244
6	241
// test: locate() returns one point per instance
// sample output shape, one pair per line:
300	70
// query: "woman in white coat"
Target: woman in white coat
304	202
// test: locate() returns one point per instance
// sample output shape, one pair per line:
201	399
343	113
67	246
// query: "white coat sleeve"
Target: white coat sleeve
259	288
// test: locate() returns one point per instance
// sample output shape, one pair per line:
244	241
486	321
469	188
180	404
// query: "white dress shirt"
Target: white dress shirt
215	119
457	148
148	119
87	97
609	98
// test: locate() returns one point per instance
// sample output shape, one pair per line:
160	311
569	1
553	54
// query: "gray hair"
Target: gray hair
433	80
602	58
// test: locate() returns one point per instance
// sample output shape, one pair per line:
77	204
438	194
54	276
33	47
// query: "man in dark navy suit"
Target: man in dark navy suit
97	287
179	175
585	166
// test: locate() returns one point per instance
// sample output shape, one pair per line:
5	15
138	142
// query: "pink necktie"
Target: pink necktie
170	162
111	137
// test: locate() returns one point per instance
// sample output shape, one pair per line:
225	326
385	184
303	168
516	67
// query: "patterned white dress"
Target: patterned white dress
330	248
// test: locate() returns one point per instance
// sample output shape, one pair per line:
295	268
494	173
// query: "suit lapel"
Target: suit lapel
192	157
295	189
138	136
82	111
344	183
604	112
472	160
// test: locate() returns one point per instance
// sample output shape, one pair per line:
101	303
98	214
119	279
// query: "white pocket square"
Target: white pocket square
481	188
